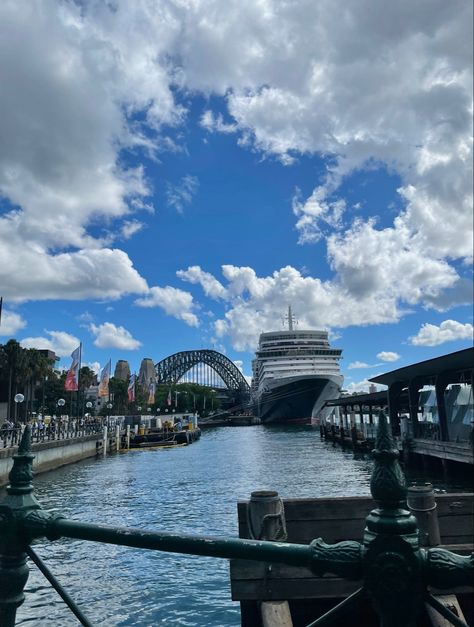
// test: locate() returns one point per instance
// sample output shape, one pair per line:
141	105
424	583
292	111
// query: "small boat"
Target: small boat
167	435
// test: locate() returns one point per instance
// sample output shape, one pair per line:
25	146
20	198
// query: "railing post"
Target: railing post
14	570
117	437
393	573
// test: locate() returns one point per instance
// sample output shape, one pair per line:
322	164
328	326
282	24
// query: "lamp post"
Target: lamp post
61	402
109	407
88	407
19	398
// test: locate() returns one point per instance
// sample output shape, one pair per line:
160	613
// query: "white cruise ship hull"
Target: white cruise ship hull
296	399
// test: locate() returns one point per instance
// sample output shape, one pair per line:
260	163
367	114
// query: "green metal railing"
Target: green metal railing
396	573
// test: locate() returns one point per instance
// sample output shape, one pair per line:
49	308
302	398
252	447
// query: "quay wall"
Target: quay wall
57	453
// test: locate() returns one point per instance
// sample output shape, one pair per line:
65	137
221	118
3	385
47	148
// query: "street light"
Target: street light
61	402
18	398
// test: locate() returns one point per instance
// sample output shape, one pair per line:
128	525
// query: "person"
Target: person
179	425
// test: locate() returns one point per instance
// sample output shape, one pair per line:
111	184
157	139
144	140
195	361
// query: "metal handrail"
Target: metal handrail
395	571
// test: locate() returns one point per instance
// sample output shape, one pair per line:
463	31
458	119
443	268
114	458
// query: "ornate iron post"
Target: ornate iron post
18	502
392	566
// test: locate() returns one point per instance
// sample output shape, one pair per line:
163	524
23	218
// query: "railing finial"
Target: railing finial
387	484
21	474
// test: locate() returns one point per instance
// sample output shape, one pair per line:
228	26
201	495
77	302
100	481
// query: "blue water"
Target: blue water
191	489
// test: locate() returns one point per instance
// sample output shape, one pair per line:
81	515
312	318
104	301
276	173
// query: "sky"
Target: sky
175	173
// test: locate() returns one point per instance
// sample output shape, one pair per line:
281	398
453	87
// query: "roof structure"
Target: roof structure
459	365
378	399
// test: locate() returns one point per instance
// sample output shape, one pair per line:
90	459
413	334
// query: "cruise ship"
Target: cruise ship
294	373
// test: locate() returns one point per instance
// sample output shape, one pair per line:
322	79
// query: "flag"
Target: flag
72	378
104	379
168	400
151	394
131	388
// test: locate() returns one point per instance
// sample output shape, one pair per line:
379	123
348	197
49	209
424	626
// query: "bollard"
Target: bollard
117	437
105	436
128	436
421	502
266	517
266	521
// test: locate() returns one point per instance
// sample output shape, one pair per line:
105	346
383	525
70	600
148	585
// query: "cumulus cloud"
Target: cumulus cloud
98	80
60	342
448	331
11	322
109	335
211	286
173	301
388	356
255	304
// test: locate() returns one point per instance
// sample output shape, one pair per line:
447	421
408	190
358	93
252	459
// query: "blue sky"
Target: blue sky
173	176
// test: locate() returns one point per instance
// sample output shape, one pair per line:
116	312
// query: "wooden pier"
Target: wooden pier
334	519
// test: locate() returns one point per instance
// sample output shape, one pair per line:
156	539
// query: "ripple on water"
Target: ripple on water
192	489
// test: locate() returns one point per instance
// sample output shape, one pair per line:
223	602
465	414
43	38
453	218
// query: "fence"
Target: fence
57	430
395	570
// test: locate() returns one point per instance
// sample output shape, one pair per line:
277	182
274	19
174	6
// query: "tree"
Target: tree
119	393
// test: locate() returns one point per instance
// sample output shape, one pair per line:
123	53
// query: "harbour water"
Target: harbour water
191	489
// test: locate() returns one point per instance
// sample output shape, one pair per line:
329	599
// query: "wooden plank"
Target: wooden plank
248	590
450	601
276	614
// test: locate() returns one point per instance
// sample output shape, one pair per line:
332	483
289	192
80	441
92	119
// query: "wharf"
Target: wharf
459	452
335	520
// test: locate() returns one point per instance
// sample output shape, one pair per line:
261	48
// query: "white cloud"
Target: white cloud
130	227
96	80
360	364
60	342
10	323
181	194
255	304
94	366
174	302
94	273
211	286
388	356
448	331
359	386
108	335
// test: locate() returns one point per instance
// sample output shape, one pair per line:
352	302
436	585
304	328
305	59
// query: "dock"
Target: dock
335	520
430	407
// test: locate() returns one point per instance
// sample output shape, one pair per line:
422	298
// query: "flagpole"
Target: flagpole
78	378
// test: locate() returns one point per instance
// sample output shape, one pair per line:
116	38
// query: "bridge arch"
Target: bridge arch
172	368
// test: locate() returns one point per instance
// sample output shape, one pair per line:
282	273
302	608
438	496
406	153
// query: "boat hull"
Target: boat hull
296	400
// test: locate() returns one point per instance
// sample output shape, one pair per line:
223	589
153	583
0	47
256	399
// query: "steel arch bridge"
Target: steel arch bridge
172	368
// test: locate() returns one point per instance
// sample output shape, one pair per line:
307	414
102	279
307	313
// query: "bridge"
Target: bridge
208	368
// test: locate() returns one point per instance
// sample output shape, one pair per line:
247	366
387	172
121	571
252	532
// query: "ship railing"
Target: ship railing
395	570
